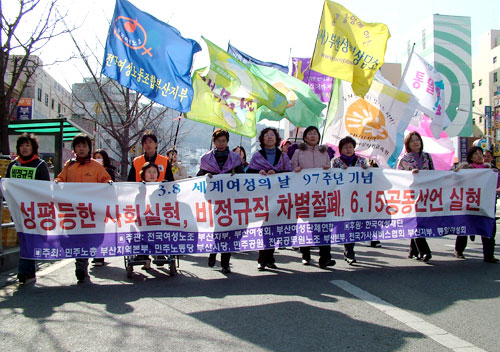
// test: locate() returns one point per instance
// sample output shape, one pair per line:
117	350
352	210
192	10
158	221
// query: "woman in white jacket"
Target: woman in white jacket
311	155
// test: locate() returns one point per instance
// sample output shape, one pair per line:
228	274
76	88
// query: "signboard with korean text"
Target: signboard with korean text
247	212
25	109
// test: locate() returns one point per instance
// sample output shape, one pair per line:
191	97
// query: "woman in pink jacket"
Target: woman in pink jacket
311	155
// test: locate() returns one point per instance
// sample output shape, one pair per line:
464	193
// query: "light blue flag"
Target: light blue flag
150	57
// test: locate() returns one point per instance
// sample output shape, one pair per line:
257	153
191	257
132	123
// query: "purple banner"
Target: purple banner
319	83
53	247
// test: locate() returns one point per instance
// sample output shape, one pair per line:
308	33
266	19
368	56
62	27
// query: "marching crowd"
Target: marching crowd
275	156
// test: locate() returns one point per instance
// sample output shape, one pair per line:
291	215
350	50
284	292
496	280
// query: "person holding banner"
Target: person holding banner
82	169
268	161
220	160
149	144
348	158
28	166
414	160
311	155
475	160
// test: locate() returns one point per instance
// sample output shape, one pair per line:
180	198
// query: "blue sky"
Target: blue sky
270	30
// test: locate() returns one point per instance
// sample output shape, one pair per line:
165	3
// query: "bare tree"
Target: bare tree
119	111
21	39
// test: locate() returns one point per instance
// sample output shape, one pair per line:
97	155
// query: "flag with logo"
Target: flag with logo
235	87
319	83
427	86
377	122
150	57
304	107
348	48
247	59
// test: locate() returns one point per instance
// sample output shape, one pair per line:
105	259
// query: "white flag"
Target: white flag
377	122
426	84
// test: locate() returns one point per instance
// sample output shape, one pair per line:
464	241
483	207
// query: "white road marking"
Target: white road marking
430	330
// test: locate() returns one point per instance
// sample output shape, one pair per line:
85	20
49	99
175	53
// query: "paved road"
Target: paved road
384	303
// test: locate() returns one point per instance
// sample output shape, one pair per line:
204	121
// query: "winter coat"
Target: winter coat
308	157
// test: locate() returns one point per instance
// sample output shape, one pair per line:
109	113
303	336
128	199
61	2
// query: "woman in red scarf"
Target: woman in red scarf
27	165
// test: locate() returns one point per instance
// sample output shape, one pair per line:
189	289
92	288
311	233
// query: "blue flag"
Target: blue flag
149	56
247	59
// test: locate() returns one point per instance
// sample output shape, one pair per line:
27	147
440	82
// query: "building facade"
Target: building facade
43	97
486	87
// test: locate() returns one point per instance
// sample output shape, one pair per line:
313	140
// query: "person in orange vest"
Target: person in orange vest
150	145
82	169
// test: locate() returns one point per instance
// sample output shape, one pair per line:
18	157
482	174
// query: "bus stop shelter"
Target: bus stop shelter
62	129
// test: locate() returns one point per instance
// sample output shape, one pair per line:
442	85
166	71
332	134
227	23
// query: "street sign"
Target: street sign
24	109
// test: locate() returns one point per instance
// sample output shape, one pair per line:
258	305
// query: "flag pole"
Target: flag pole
289	58
177	131
404	74
210	148
405	71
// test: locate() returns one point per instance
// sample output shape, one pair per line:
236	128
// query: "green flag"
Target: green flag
233	80
237	93
304	107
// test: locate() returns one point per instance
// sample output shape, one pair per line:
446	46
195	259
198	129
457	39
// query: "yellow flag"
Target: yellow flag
348	48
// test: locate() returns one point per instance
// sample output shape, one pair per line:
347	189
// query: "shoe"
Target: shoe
226	270
331	262
98	261
26	278
147	265
272	266
160	258
375	244
350	261
81	274
426	257
491	260
412	255
459	255
261	267
211	262
306	262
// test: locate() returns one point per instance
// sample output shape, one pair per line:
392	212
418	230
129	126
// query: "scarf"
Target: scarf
348	160
259	162
26	160
209	163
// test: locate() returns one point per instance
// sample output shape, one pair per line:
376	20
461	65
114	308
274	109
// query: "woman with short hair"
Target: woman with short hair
268	161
